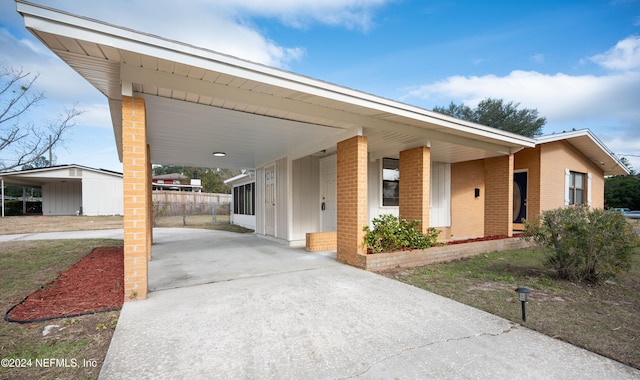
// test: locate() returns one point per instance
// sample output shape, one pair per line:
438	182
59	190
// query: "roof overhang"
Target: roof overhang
62	173
591	147
199	101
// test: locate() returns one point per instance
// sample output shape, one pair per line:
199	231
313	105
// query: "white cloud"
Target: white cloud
624	56
352	14
560	97
225	26
607	104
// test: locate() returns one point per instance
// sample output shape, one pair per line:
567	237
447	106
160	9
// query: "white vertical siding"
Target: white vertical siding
305	194
260	201
440	215
282	198
62	198
101	194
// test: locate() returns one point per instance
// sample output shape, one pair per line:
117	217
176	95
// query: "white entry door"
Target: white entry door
328	193
270	201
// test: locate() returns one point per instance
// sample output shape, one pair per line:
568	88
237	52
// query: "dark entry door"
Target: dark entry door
519	197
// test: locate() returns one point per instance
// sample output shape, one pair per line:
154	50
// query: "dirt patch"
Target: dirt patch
11	225
92	285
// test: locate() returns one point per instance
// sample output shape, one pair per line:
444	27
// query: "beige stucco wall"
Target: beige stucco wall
467	211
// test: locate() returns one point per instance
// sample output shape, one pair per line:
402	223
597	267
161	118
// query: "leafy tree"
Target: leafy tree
622	191
498	114
22	143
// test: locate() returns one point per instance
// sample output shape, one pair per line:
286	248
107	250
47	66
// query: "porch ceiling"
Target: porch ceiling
199	101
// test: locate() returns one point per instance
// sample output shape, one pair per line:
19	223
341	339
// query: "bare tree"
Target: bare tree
22	143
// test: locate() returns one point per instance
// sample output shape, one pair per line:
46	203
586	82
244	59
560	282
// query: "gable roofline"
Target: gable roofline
58	167
592	147
58	22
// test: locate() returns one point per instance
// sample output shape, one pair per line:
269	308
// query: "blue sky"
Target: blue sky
577	62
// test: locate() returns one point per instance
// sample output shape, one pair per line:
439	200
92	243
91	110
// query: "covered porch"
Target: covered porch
173	103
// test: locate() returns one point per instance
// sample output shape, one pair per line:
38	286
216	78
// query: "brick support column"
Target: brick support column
352	199
135	159
415	181
149	203
498	200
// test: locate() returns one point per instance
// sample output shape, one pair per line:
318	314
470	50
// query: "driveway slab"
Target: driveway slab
293	315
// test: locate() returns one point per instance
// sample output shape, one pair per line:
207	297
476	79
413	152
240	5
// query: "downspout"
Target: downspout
2	191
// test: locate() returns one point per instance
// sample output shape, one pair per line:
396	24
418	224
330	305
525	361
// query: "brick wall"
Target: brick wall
467	211
415	167
529	159
352	199
498	201
135	160
555	158
421	257
321	241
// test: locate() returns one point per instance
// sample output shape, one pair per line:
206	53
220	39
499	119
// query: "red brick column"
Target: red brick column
498	200
136	202
352	199
415	177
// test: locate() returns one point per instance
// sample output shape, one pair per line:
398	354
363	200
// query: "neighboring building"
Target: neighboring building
174	181
243	200
327	159
72	189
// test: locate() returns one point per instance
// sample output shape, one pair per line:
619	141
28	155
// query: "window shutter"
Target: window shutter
567	186
589	189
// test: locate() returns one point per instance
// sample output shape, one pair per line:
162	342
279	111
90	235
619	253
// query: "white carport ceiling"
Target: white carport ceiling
199	101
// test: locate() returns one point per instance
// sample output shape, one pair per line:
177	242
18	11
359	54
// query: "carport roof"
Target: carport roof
199	101
40	176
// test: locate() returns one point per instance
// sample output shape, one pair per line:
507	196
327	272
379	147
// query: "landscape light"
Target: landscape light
522	297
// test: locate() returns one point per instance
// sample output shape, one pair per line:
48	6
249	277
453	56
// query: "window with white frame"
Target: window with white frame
577	188
244	199
390	182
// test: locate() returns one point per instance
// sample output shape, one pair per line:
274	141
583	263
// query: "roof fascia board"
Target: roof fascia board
154	78
584	133
57	22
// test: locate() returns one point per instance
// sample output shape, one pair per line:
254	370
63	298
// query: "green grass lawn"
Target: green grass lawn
604	319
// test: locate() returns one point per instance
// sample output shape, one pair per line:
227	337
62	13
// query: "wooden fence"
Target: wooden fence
182	203
165	197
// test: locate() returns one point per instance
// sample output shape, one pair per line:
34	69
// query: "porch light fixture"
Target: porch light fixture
522	297
219	154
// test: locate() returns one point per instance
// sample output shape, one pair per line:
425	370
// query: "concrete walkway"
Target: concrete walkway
230	306
271	312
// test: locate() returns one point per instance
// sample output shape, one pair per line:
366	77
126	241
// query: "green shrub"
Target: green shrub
583	244
390	233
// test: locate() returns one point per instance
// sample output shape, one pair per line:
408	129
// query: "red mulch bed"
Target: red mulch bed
94	284
485	238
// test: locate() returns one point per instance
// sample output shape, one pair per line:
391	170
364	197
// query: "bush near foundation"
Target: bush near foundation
390	233
583	244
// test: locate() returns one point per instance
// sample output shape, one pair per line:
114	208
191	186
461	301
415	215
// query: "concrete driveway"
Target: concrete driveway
236	306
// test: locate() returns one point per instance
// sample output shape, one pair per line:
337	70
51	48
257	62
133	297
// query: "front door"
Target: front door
328	190
519	197
270	201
